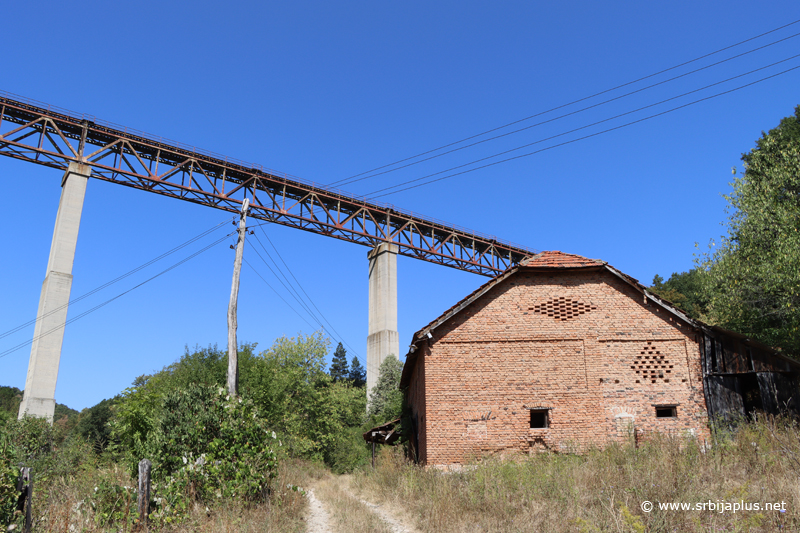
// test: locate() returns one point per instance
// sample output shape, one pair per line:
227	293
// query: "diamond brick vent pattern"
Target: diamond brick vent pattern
562	308
651	365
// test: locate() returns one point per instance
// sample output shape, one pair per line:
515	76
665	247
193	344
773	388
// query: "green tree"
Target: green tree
312	415
385	398
339	364
137	408
685	290
754	274
10	398
357	374
93	424
304	405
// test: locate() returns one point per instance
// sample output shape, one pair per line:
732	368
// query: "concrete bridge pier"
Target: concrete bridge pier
40	385
383	338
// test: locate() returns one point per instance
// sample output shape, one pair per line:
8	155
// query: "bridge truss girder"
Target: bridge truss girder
55	137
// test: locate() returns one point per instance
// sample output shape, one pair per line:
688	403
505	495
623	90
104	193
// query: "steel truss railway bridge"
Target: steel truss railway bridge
84	147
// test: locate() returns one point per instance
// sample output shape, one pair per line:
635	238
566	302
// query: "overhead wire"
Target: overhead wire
95	308
292	292
570	103
565	142
302	289
115	280
297	312
277	293
330	330
565	115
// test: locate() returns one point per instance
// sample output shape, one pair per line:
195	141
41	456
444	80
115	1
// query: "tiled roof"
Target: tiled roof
556	259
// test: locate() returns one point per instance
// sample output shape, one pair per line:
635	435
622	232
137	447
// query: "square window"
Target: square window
540	419
666	411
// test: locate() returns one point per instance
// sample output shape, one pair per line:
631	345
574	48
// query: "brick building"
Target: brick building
563	352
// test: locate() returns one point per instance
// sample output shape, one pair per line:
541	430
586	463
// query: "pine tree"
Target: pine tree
339	364
357	374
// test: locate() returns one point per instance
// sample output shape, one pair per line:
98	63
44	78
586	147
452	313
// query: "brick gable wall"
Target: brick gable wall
581	344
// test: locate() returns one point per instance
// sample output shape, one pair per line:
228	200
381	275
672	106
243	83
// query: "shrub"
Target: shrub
206	447
8	482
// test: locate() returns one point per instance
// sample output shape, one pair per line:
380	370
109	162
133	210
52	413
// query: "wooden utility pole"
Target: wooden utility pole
233	346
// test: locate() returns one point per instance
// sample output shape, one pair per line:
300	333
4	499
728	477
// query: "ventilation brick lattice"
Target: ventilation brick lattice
562	308
651	365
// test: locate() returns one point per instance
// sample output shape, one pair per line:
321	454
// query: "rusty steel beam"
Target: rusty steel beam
38	133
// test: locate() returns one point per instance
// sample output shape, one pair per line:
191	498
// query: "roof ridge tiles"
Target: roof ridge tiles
559	259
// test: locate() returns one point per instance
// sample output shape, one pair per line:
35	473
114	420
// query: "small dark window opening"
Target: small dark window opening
714	367
667	411
540	419
751	394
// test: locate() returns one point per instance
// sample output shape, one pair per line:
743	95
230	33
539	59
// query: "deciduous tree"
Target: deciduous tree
685	290
754	272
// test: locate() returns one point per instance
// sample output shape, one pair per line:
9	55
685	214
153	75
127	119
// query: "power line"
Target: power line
319	323
302	289
580	128
292	292
277	293
332	332
95	308
113	281
572	140
570	103
350	181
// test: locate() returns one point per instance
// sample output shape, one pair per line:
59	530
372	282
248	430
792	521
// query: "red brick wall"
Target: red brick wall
510	351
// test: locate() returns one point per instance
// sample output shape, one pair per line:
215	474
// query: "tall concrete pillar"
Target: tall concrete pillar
40	386
383	338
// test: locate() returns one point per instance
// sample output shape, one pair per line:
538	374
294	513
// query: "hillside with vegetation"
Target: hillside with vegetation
11	397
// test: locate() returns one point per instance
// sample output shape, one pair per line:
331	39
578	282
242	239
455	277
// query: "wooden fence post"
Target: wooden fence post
25	489
373	449
145	466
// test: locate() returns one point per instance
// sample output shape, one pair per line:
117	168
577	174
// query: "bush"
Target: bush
349	452
207	446
33	442
9	473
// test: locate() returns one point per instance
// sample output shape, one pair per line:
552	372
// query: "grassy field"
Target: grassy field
81	502
604	490
597	492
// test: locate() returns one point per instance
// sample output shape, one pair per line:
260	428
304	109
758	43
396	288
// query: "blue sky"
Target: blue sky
326	91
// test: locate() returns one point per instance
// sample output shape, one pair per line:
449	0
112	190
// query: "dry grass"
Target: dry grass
347	513
603	490
64	505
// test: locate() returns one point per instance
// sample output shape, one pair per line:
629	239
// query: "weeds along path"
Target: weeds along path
351	514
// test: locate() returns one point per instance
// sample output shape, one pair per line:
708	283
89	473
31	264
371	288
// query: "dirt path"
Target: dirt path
338	509
385	515
318	518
